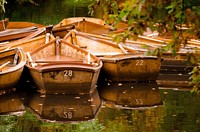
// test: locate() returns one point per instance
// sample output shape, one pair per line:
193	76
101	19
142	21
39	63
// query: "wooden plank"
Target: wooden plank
3	65
56	61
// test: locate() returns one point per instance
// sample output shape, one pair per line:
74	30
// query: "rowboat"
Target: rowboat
135	45
191	46
18	30
175	68
12	63
175	73
4	24
30	42
184	53
63	108
119	63
147	45
60	67
14	34
83	24
23	24
11	104
130	95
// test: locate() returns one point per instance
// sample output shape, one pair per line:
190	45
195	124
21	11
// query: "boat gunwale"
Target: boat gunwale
129	54
10	32
89	37
133	57
61	66
77	20
23	41
96	59
18	66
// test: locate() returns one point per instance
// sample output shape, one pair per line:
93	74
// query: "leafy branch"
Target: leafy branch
179	19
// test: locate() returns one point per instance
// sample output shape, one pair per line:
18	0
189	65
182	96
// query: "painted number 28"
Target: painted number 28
68	73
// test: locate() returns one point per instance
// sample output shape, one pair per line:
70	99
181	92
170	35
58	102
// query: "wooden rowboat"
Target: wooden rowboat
12	63
63	108
60	67
119	64
21	24
4	24
30	42
192	45
146	44
83	24
18	30
14	34
175	66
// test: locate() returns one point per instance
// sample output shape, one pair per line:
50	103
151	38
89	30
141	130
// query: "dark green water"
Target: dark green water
125	107
136	107
49	12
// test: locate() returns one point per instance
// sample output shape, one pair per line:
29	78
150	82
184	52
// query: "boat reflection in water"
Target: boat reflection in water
130	95
66	108
11	104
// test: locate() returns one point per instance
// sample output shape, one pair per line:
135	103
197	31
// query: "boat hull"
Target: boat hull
60	67
9	80
65	79
131	69
11	73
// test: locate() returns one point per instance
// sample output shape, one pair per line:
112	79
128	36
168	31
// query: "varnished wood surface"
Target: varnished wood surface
83	24
4	24
11	73
119	63
60	67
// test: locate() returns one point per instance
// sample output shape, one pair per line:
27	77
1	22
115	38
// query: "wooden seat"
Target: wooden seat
59	59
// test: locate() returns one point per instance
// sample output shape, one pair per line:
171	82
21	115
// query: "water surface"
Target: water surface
141	107
123	107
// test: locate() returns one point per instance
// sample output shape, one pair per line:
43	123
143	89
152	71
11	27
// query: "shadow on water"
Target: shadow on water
125	107
11	104
131	95
65	108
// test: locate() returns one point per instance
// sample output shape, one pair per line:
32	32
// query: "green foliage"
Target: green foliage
195	77
165	17
7	123
2	3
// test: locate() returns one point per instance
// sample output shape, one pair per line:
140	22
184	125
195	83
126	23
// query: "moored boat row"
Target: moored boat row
119	63
74	62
